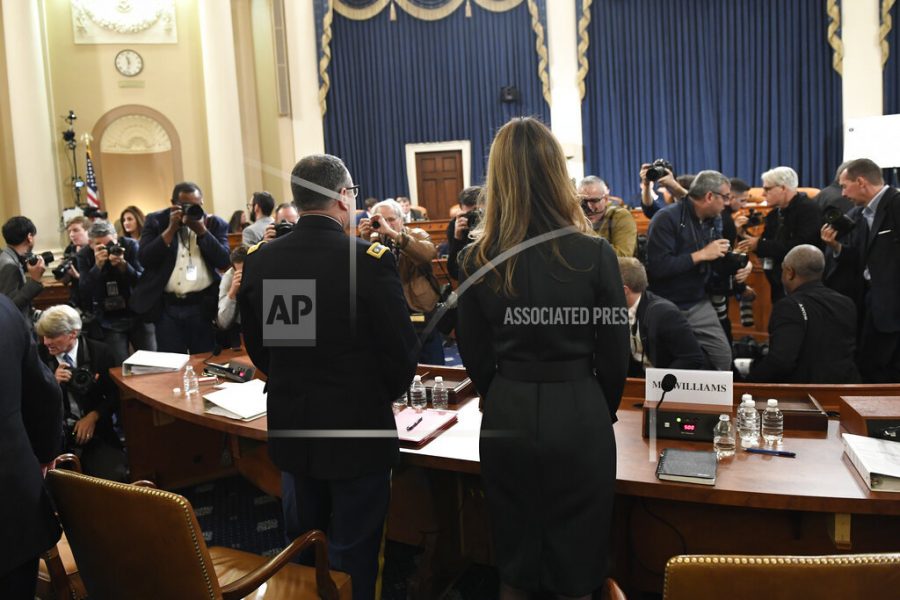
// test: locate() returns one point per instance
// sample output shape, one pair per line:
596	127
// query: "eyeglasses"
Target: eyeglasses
589	199
724	196
353	189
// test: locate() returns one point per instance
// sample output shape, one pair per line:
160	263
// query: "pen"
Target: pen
413	426
784	453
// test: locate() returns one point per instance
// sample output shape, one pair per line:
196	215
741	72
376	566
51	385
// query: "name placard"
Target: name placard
694	387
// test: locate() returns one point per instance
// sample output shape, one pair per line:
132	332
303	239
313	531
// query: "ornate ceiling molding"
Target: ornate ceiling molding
135	134
118	21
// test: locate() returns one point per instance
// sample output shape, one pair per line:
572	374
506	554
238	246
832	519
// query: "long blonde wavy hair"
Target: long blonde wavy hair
528	192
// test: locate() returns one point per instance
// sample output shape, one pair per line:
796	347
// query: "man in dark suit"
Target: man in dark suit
812	331
30	434
410	214
832	195
794	220
181	248
660	335
866	266
81	367
335	366
20	281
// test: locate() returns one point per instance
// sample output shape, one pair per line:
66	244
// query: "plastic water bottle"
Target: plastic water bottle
399	404
723	437
773	424
417	397
191	384
748	422
439	397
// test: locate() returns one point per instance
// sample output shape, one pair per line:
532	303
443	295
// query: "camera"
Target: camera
32	258
191	211
114	249
61	271
472	217
731	263
82	380
92	212
283	228
376	224
658	169
838	221
754	218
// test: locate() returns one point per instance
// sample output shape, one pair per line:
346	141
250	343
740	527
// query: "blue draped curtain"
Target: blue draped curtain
739	86
414	81
892	67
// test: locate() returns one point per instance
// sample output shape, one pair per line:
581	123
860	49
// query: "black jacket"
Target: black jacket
30	434
666	336
812	344
361	356
92	285
800	222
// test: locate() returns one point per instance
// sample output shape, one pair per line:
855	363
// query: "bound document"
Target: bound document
415	429
878	461
143	362
689	466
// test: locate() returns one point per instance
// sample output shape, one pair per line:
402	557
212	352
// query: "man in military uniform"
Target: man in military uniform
614	223
343	378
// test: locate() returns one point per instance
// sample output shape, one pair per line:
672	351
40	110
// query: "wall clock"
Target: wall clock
129	63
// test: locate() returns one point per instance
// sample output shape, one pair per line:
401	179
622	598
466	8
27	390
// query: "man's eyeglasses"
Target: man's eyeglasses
724	196
353	189
589	199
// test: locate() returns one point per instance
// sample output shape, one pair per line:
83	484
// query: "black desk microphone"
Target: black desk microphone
667	384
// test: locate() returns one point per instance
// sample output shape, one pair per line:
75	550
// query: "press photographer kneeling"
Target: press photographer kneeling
81	367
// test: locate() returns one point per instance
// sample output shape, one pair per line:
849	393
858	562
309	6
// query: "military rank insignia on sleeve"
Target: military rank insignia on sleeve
377	250
254	247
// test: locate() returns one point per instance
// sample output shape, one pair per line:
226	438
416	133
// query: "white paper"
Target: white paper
245	400
874	138
693	387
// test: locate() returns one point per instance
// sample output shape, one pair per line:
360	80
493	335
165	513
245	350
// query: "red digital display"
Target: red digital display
688	427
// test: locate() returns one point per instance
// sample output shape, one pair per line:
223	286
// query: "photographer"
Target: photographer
227	319
659	172
181	249
81	367
20	270
414	252
458	229
67	271
286	216
613	223
795	220
261	206
683	244
110	271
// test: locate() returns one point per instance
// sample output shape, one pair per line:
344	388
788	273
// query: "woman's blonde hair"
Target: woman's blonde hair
528	192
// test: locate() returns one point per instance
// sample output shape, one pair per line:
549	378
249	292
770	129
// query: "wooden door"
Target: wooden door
439	178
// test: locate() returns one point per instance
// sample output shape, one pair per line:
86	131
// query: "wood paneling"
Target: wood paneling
439	179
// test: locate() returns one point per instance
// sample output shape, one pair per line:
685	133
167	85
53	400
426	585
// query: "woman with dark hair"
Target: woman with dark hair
132	220
543	334
237	222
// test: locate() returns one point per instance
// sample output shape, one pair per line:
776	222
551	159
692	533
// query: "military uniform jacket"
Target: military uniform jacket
363	356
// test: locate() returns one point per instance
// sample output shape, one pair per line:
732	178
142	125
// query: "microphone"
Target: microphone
667	384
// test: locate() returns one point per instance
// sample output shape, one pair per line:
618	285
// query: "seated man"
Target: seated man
90	398
410	214
228	320
660	335
614	223
812	331
414	252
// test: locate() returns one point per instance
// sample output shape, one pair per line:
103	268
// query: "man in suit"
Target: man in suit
410	214
354	354
30	434
81	367
110	270
833	195
866	266
261	206
180	254
812	331
20	280
660	335
794	220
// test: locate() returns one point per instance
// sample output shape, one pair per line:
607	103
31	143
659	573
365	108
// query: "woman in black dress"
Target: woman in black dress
543	333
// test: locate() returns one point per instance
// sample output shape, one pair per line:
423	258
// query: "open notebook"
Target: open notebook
418	428
242	401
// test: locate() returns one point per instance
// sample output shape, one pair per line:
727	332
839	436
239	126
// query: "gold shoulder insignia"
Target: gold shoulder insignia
255	247
377	250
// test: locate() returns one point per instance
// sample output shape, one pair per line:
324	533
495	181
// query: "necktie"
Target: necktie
68	360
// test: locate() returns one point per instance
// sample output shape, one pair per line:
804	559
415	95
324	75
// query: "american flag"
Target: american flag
93	196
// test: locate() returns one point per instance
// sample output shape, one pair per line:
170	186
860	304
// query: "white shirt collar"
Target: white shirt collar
73	353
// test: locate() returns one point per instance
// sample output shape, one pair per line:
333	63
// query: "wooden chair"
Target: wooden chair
136	542
707	577
57	572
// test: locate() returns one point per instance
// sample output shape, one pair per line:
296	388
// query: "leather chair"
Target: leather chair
141	543
57	572
707	577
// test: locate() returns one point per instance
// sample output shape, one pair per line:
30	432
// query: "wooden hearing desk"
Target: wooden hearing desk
813	504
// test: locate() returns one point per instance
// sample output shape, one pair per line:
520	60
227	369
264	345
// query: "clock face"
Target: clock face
129	63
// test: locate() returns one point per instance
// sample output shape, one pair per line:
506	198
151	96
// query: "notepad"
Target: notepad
688	466
144	362
878	461
417	434
241	401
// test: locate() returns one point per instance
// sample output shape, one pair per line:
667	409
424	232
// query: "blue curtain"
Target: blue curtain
411	81
739	86
892	67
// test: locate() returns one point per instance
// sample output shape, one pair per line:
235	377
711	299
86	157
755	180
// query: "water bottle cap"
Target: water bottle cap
176	391
417	378
772	402
749	402
746	397
724	417
439	379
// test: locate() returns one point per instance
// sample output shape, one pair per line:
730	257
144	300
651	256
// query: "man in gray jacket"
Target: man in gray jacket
20	279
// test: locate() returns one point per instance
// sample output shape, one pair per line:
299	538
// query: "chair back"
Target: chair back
133	542
707	577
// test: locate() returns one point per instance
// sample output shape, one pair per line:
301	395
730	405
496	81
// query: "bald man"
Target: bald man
812	331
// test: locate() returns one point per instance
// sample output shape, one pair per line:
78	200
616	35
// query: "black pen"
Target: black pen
784	453
413	426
